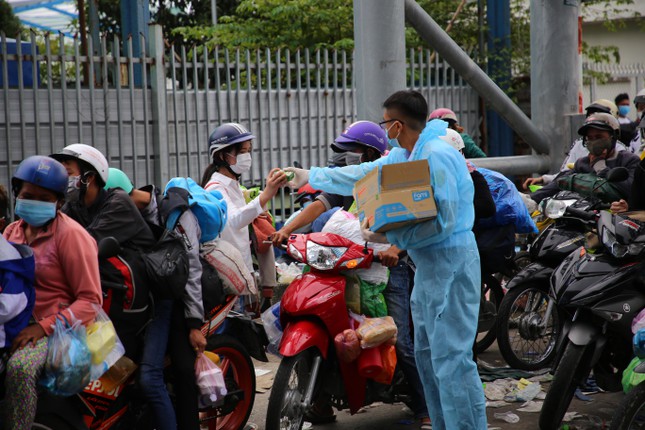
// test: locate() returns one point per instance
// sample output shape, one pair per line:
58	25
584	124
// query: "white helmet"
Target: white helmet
454	139
87	153
640	97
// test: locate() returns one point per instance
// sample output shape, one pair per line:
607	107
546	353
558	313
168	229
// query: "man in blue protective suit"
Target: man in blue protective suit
445	298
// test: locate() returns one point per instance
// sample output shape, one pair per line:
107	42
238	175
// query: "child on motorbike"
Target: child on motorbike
366	141
229	149
175	327
67	277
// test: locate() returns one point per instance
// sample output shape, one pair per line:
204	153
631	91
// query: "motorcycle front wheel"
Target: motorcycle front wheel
524	341
572	369
631	413
239	376
285	410
492	293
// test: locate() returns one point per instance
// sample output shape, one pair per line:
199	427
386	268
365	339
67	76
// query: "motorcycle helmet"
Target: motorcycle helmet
118	179
601	121
90	155
43	171
226	135
454	139
361	134
604	106
640	97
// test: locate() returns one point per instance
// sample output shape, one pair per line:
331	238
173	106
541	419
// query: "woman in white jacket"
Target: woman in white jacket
230	148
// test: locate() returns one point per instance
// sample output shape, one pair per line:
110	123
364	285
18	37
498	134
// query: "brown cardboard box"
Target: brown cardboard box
395	195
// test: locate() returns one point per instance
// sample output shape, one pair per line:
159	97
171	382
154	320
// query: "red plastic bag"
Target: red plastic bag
388	356
210	380
348	346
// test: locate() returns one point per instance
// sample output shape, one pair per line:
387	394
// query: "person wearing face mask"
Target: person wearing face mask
447	283
628	128
111	213
577	150
229	147
67	281
365	141
599	135
471	150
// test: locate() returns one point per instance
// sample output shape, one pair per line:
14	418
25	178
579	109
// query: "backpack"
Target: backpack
17	280
208	206
510	208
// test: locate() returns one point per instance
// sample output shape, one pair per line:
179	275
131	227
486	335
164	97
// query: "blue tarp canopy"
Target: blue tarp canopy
53	15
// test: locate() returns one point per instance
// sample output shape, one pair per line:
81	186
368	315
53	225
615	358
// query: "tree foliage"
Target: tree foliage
9	23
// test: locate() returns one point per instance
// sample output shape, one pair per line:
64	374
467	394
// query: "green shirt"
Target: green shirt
471	150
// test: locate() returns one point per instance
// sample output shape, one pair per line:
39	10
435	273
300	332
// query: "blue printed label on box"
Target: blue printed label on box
417	196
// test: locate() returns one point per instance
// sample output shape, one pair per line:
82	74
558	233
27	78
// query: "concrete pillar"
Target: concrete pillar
554	71
379	54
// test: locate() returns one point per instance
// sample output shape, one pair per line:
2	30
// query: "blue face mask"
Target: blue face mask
394	143
34	212
624	110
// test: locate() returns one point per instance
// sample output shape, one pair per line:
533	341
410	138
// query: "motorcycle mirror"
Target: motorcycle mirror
109	247
617	174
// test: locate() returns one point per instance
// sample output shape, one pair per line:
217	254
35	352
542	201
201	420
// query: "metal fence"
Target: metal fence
151	114
606	81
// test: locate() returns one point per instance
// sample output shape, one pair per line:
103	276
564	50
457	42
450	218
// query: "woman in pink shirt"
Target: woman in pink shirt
67	277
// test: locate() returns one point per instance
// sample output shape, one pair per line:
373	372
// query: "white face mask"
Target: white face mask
242	163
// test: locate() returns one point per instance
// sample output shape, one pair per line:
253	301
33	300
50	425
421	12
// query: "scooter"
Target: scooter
528	325
313	311
232	339
600	289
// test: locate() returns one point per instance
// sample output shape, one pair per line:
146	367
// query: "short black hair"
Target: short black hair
620	97
410	104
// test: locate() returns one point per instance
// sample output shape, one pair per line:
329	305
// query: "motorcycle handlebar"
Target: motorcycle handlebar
578	213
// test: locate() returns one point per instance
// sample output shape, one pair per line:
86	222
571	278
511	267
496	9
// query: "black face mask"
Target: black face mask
352	158
597	146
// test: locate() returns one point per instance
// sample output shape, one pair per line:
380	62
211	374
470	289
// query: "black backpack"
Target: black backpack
167	261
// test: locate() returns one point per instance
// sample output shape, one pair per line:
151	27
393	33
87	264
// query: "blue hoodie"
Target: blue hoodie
17	294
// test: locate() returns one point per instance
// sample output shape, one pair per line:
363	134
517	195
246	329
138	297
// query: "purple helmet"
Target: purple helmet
361	134
226	135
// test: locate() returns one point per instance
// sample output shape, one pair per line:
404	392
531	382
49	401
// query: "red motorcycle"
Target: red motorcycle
312	312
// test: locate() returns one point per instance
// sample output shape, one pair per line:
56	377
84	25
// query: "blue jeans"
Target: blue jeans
397	297
152	367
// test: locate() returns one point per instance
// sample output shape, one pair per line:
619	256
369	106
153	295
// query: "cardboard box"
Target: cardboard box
395	195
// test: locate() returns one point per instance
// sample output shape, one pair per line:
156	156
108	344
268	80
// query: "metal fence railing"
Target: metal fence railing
152	113
606	81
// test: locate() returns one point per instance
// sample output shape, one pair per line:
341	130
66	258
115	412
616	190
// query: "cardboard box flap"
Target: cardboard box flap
417	174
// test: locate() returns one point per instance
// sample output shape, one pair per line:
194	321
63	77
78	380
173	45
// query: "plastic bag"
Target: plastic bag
347	345
287	273
630	378
227	260
388	356
67	369
101	336
638	322
210	380
273	328
376	331
372	300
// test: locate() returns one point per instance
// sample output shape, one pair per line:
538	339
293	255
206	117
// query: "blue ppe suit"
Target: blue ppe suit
447	284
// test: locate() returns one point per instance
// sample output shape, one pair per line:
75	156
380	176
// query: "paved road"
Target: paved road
393	417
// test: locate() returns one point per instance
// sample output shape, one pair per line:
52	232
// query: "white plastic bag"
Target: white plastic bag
347	225
104	344
231	269
210	380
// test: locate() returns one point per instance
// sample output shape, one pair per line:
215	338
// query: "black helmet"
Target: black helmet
226	135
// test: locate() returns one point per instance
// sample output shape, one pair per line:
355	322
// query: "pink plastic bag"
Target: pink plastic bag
347	344
210	381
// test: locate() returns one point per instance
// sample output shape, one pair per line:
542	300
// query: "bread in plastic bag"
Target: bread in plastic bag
376	331
348	347
210	381
101	336
236	278
67	369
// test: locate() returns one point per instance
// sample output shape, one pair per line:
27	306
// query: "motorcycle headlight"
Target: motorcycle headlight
556	208
323	257
616	249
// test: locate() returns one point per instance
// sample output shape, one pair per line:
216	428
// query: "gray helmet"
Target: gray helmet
601	121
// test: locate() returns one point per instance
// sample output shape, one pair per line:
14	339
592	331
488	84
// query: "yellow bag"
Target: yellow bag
101	337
